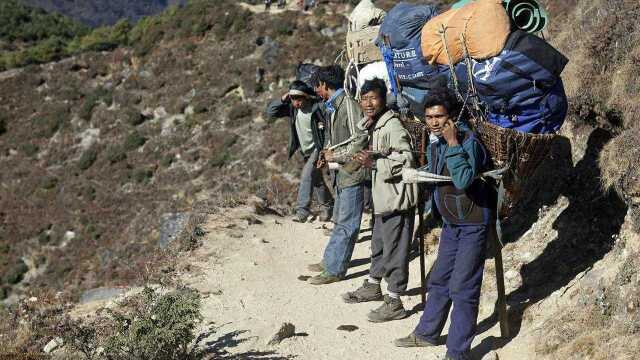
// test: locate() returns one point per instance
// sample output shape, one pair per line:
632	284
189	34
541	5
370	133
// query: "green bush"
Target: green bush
15	274
155	326
142	175
134	117
91	101
133	141
220	158
30	149
115	154
48	124
87	159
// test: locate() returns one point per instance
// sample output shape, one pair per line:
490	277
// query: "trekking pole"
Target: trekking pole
423	138
503	315
421	230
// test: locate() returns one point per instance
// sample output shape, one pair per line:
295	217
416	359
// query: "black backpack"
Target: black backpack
304	73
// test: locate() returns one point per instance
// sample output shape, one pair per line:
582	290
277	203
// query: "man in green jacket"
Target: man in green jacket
307	123
345	141
393	204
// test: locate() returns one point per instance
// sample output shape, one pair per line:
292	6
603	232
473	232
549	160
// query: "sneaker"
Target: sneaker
323	278
367	292
412	341
391	309
300	218
319	267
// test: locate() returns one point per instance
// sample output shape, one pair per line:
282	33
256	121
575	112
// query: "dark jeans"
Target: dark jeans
456	277
310	181
347	214
390	247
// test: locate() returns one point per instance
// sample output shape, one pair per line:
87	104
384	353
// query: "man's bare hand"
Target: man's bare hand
285	97
450	133
328	155
364	158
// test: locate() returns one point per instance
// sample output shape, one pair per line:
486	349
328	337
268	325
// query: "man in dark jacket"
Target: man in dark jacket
466	207
307	120
345	141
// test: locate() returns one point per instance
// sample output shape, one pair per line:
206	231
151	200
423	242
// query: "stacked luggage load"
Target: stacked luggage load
488	52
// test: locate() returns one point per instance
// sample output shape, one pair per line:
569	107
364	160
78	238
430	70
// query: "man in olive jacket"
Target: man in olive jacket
394	202
345	141
307	123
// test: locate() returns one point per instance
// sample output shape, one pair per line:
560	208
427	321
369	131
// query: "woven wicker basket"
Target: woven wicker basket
522	152
418	131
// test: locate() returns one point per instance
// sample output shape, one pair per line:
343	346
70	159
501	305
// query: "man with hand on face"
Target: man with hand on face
393	204
307	120
466	205
345	140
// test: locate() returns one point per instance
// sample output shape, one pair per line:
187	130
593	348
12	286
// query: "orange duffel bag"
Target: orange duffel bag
484	23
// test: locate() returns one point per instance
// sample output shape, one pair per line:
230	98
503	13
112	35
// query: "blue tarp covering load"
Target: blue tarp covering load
402	26
521	87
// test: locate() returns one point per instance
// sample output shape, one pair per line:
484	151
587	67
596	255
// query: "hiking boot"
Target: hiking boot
300	218
323	278
412	341
391	309
319	267
367	292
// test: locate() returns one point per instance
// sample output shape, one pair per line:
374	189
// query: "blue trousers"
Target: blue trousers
347	211
456	278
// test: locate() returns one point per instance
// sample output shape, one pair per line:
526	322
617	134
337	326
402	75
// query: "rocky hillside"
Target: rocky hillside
99	12
107	153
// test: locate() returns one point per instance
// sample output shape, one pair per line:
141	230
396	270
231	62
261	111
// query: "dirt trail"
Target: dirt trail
249	275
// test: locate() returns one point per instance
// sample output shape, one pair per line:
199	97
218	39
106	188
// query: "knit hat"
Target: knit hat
299	88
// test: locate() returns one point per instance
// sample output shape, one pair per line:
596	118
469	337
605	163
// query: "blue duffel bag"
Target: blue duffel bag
521	87
402	26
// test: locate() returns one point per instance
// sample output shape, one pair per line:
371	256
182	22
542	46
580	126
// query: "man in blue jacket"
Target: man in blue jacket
465	205
307	122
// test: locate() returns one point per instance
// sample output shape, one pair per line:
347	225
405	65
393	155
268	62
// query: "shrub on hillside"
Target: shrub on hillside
48	124
87	159
93	99
115	154
150	325
133	141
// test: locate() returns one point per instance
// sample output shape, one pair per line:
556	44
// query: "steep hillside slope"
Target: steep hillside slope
104	149
101	12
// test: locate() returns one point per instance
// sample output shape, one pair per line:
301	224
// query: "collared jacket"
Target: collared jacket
390	195
467	200
347	139
277	108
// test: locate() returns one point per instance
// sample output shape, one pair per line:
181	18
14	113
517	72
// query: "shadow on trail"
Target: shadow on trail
356	275
359	262
217	348
586	230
